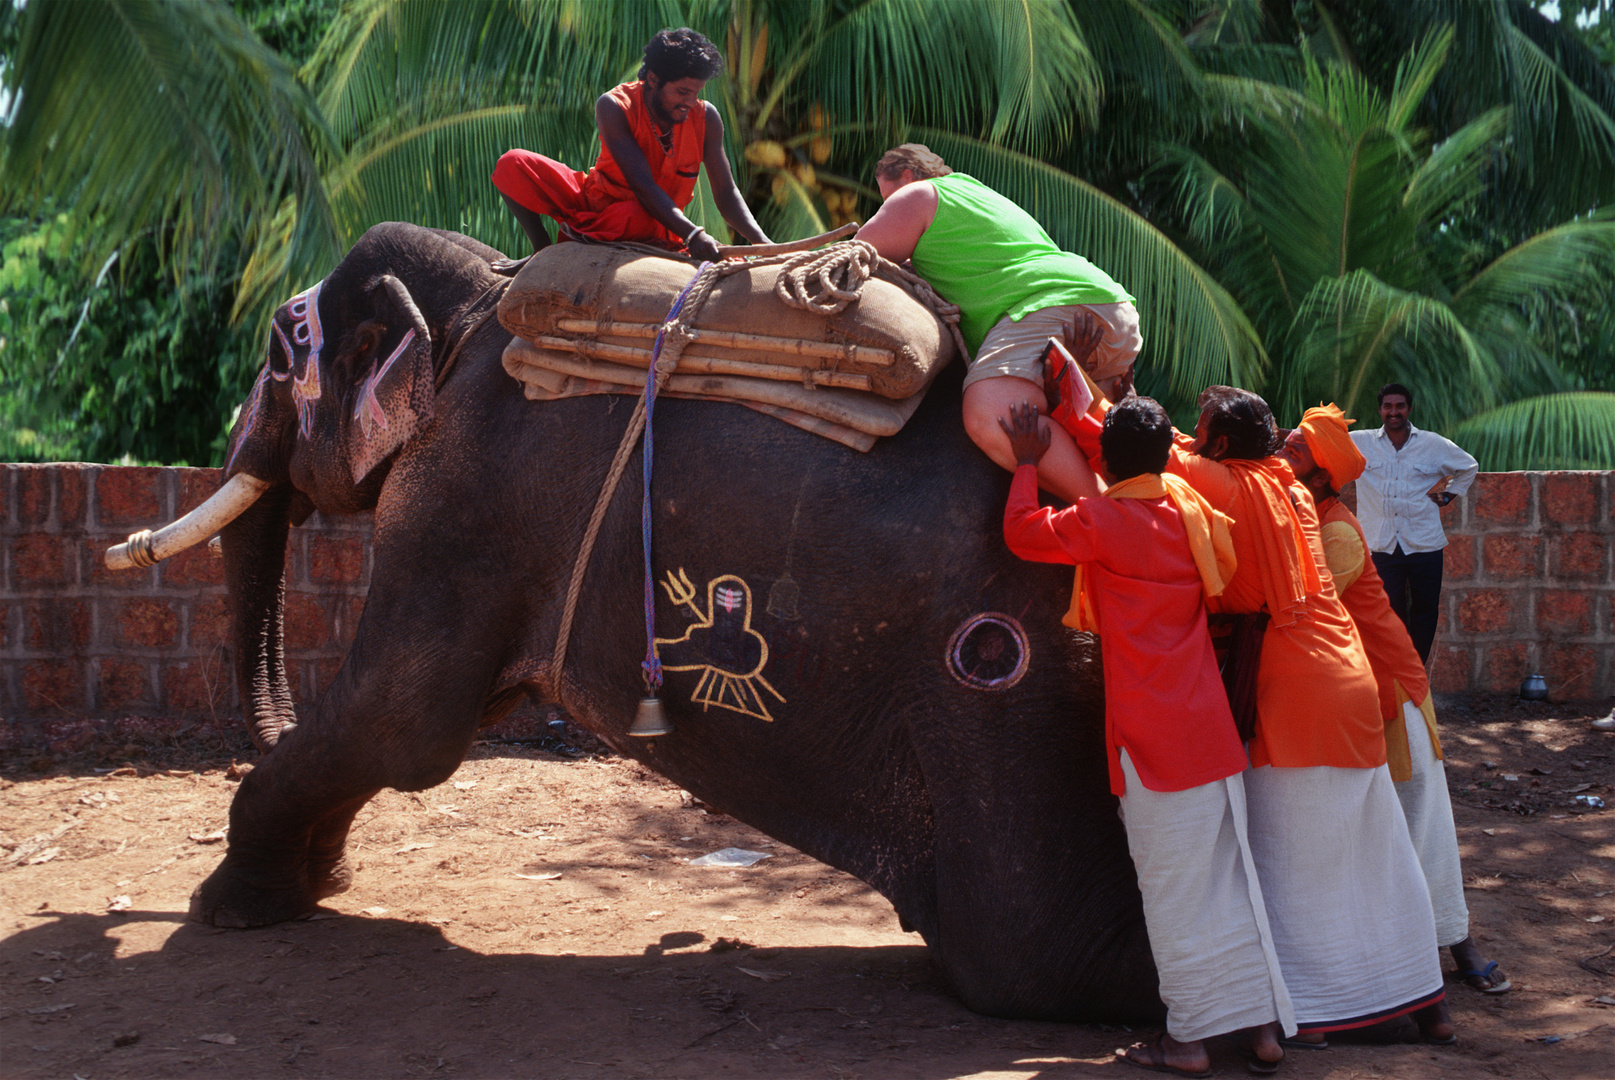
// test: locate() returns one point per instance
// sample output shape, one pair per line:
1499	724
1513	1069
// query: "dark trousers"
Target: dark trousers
1413	582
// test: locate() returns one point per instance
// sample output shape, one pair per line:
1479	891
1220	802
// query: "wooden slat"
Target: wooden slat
706	365
731	339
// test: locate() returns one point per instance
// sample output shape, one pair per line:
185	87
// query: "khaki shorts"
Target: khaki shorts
1013	348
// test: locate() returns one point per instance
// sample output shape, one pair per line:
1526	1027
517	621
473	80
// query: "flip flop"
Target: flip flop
1161	1066
1286	1041
1450	1040
1495	982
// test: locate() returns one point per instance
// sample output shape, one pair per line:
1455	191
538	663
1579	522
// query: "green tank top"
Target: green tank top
994	260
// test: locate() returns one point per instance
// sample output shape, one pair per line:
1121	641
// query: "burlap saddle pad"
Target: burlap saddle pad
585	319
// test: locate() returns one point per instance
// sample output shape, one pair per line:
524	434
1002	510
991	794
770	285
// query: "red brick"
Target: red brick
70	496
199	686
130	495
1501	498
33	494
1577	557
1451	670
93	560
5	629
1485	611
53	684
1511	557
148	623
1505	667
58	626
42	560
121	684
306	626
1571	671
334	560
195	485
1570	498
1459	561
210	622
1452	516
194	566
1563	612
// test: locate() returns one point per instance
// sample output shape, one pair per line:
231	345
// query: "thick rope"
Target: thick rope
839	271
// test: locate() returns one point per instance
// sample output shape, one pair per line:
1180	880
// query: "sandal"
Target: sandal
1299	1044
1159	1065
1487	980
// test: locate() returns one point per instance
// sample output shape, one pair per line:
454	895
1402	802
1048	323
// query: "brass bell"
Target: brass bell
650	719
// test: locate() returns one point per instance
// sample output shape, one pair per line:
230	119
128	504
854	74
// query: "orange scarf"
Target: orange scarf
1283	558
1210	540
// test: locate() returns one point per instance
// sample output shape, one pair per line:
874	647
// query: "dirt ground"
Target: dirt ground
537	916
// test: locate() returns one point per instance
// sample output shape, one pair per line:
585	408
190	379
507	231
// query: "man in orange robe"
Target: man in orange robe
655	134
1147	555
1325	459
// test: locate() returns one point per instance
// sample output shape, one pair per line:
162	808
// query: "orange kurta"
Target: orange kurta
1316	699
599	203
1398	672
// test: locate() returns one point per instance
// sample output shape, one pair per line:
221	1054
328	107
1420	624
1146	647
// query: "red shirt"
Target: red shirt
1164	701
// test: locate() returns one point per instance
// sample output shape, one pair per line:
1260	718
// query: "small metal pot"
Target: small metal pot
1534	688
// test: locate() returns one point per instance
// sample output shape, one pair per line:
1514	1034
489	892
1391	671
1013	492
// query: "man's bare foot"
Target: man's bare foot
1435	1024
1262	1050
1166	1055
1307	1040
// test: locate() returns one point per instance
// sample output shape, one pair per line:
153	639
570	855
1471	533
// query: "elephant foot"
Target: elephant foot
225	899
330	879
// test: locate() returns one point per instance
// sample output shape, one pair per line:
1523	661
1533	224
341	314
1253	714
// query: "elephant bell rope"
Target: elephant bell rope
838	273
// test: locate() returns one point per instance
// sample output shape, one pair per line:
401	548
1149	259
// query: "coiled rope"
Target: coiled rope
825	281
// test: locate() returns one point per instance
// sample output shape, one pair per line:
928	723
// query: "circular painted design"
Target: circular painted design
989	652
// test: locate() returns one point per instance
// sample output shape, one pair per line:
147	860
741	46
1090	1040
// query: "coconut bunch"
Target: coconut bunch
793	162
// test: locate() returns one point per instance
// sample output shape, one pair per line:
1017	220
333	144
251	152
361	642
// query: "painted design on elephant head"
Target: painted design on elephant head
304	312
367	411
989	652
721	645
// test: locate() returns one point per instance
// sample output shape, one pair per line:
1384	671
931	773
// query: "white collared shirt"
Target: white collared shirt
1393	503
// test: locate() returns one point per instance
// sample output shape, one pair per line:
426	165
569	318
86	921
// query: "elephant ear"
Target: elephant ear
392	400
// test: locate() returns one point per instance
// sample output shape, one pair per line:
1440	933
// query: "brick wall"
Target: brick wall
1529	585
80	642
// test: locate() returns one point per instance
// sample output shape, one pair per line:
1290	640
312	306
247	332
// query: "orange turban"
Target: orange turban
1331	445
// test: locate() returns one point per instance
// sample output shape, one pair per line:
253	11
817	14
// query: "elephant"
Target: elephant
854	662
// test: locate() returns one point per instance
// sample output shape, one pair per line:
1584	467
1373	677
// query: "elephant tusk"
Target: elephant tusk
147	548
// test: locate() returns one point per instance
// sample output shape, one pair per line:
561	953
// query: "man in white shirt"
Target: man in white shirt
1410	476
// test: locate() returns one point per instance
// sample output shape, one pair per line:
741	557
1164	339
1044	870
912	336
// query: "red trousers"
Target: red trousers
549	187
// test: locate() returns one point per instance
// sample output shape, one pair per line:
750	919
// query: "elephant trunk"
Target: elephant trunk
254	549
147	548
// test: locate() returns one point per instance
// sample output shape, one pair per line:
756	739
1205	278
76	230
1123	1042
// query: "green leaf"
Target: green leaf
1555	431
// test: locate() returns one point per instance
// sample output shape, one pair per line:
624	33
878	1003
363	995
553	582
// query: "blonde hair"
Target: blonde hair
916	158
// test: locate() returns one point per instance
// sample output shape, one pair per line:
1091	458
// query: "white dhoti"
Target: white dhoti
1346	899
1428	809
1203	908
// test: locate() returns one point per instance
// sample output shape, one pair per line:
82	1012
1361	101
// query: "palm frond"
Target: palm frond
1351	333
1556	261
145	114
1555	431
1453	174
1194	332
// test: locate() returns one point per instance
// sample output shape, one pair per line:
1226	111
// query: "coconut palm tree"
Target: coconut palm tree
1340	227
